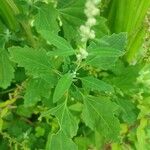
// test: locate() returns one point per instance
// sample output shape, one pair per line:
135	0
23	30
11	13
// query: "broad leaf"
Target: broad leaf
62	86
96	84
116	41
68	123
129	111
98	114
35	61
35	90
6	70
63	47
46	25
60	141
106	51
72	16
101	29
46	19
126	80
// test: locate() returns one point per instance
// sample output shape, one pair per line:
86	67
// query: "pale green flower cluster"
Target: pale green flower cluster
86	32
82	54
91	11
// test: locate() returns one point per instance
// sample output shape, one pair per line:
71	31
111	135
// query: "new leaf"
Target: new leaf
62	86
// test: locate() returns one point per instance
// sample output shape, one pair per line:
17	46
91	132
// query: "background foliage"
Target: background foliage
49	100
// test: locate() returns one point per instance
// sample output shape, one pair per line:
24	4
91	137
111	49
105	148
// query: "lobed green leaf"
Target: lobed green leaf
98	114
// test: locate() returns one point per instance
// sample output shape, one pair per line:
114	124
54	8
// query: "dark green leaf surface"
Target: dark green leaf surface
46	19
60	141
6	69
63	47
129	111
72	16
96	84
35	61
98	114
68	123
62	86
35	90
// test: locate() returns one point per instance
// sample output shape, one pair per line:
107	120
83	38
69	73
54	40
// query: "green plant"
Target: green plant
66	76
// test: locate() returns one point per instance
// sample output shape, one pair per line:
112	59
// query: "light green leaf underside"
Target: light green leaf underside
106	51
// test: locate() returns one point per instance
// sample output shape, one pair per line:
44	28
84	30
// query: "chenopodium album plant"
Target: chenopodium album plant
64	81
